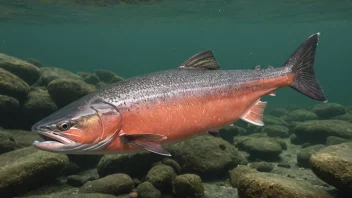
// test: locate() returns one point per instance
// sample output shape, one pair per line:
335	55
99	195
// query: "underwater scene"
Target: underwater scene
175	99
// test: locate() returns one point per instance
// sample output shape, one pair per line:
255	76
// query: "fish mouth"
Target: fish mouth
53	141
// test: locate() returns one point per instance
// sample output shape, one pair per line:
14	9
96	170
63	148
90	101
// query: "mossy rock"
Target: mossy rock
13	86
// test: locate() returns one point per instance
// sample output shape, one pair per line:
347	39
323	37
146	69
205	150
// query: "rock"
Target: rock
299	115
317	131
34	62
328	110
26	71
13	86
332	140
303	157
91	79
85	161
333	164
239	171
272	120
7	142
147	190
276	131
295	140
52	73
83	195
9	108
284	165
346	117
37	106
65	91
278	112
305	145
261	148
262	166
206	155
116	78
172	163
114	184
28	168
188	185
23	138
76	180
161	176
271	185
229	132
135	165
105	75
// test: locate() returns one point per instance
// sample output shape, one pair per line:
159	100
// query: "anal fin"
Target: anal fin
255	114
149	142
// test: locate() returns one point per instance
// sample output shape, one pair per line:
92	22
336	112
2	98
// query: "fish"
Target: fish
152	110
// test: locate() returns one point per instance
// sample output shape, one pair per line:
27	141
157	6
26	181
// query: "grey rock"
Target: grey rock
318	130
188	185
147	190
115	184
161	176
303	157
328	110
26	71
333	164
272	185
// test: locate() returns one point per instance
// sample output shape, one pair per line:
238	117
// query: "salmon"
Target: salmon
145	112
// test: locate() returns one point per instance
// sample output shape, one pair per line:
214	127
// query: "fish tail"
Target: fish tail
301	63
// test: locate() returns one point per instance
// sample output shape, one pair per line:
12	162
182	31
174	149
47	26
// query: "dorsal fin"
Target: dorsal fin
202	60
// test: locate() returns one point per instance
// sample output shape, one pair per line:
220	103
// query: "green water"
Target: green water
137	39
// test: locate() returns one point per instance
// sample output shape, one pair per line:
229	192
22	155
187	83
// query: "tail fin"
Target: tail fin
302	64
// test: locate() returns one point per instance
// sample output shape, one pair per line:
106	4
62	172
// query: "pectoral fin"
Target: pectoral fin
147	142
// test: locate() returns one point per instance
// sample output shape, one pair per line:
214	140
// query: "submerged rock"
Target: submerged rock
91	79
28	168
37	106
229	132
161	176
147	190
65	91
300	115
328	110
8	109
332	140
318	130
34	62
206	155
52	73
272	120
7	142
276	131
262	166
333	165
239	171
114	184
135	165
13	86
278	112
105	75
26	71
303	157
172	163
188	185
272	185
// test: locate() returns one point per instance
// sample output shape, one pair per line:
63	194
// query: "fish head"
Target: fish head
79	128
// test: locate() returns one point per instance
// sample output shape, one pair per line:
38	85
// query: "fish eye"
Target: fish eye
63	126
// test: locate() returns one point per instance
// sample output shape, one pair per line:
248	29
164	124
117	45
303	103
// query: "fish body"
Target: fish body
147	111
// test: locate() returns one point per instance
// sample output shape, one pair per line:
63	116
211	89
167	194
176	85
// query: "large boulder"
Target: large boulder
28	168
333	165
115	184
52	73
317	131
328	110
236	173
26	71
206	155
299	115
65	91
188	185
135	165
13	86
267	185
